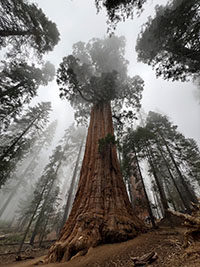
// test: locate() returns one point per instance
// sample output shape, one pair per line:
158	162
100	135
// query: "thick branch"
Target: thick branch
6	33
83	97
117	118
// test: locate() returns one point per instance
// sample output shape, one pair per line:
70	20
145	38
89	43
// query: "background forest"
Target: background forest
59	62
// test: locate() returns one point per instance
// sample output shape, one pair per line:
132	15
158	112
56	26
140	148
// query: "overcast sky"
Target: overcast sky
78	20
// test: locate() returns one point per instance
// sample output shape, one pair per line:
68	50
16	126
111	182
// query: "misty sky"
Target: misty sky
78	20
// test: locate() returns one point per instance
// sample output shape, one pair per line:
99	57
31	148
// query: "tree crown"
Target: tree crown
170	41
27	27
97	72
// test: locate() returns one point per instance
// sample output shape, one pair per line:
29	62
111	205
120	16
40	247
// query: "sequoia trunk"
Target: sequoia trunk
101	211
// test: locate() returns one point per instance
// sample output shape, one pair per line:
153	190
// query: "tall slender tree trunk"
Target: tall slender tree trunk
190	193
22	223
158	211
130	192
163	198
30	222
15	188
34	213
6	152
144	188
185	202
43	232
170	196
101	211
158	184
37	225
69	198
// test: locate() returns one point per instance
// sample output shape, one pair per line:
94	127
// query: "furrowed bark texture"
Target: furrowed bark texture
101	211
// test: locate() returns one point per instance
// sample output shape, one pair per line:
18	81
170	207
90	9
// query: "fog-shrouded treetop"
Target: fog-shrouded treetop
25	26
170	42
97	72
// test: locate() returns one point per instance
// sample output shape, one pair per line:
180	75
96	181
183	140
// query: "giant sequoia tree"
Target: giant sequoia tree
170	41
94	79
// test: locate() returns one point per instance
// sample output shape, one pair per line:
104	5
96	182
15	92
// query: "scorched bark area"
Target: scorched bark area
101	212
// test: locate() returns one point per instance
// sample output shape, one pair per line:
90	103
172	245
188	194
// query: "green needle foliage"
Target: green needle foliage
19	82
96	73
25	27
118	10
19	138
170	41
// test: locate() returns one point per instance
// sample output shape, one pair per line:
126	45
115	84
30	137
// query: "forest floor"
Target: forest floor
166	242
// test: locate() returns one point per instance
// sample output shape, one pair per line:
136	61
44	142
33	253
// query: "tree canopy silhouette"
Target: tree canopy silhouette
118	10
18	85
170	41
25	26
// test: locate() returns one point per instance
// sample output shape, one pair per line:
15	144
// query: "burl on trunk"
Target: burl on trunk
101	211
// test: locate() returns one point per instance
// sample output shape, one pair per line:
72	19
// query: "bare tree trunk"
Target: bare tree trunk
101	211
185	203
33	214
15	188
144	188
43	232
130	192
5	153
69	198
30	222
157	205
163	198
189	192
158	184
170	196
37	225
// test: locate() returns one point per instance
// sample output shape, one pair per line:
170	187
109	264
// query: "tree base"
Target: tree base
92	232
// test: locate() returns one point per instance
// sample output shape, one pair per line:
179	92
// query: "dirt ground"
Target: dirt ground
166	242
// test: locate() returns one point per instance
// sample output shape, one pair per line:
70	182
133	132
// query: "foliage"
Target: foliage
24	175
20	136
118	10
43	207
47	215
169	42
185	150
105	142
18	85
26	27
172	156
96	73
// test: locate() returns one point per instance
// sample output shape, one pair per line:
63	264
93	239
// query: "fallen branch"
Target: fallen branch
187	217
145	259
192	222
20	258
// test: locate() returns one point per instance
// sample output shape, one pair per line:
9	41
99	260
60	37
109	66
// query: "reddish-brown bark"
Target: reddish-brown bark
101	212
140	202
